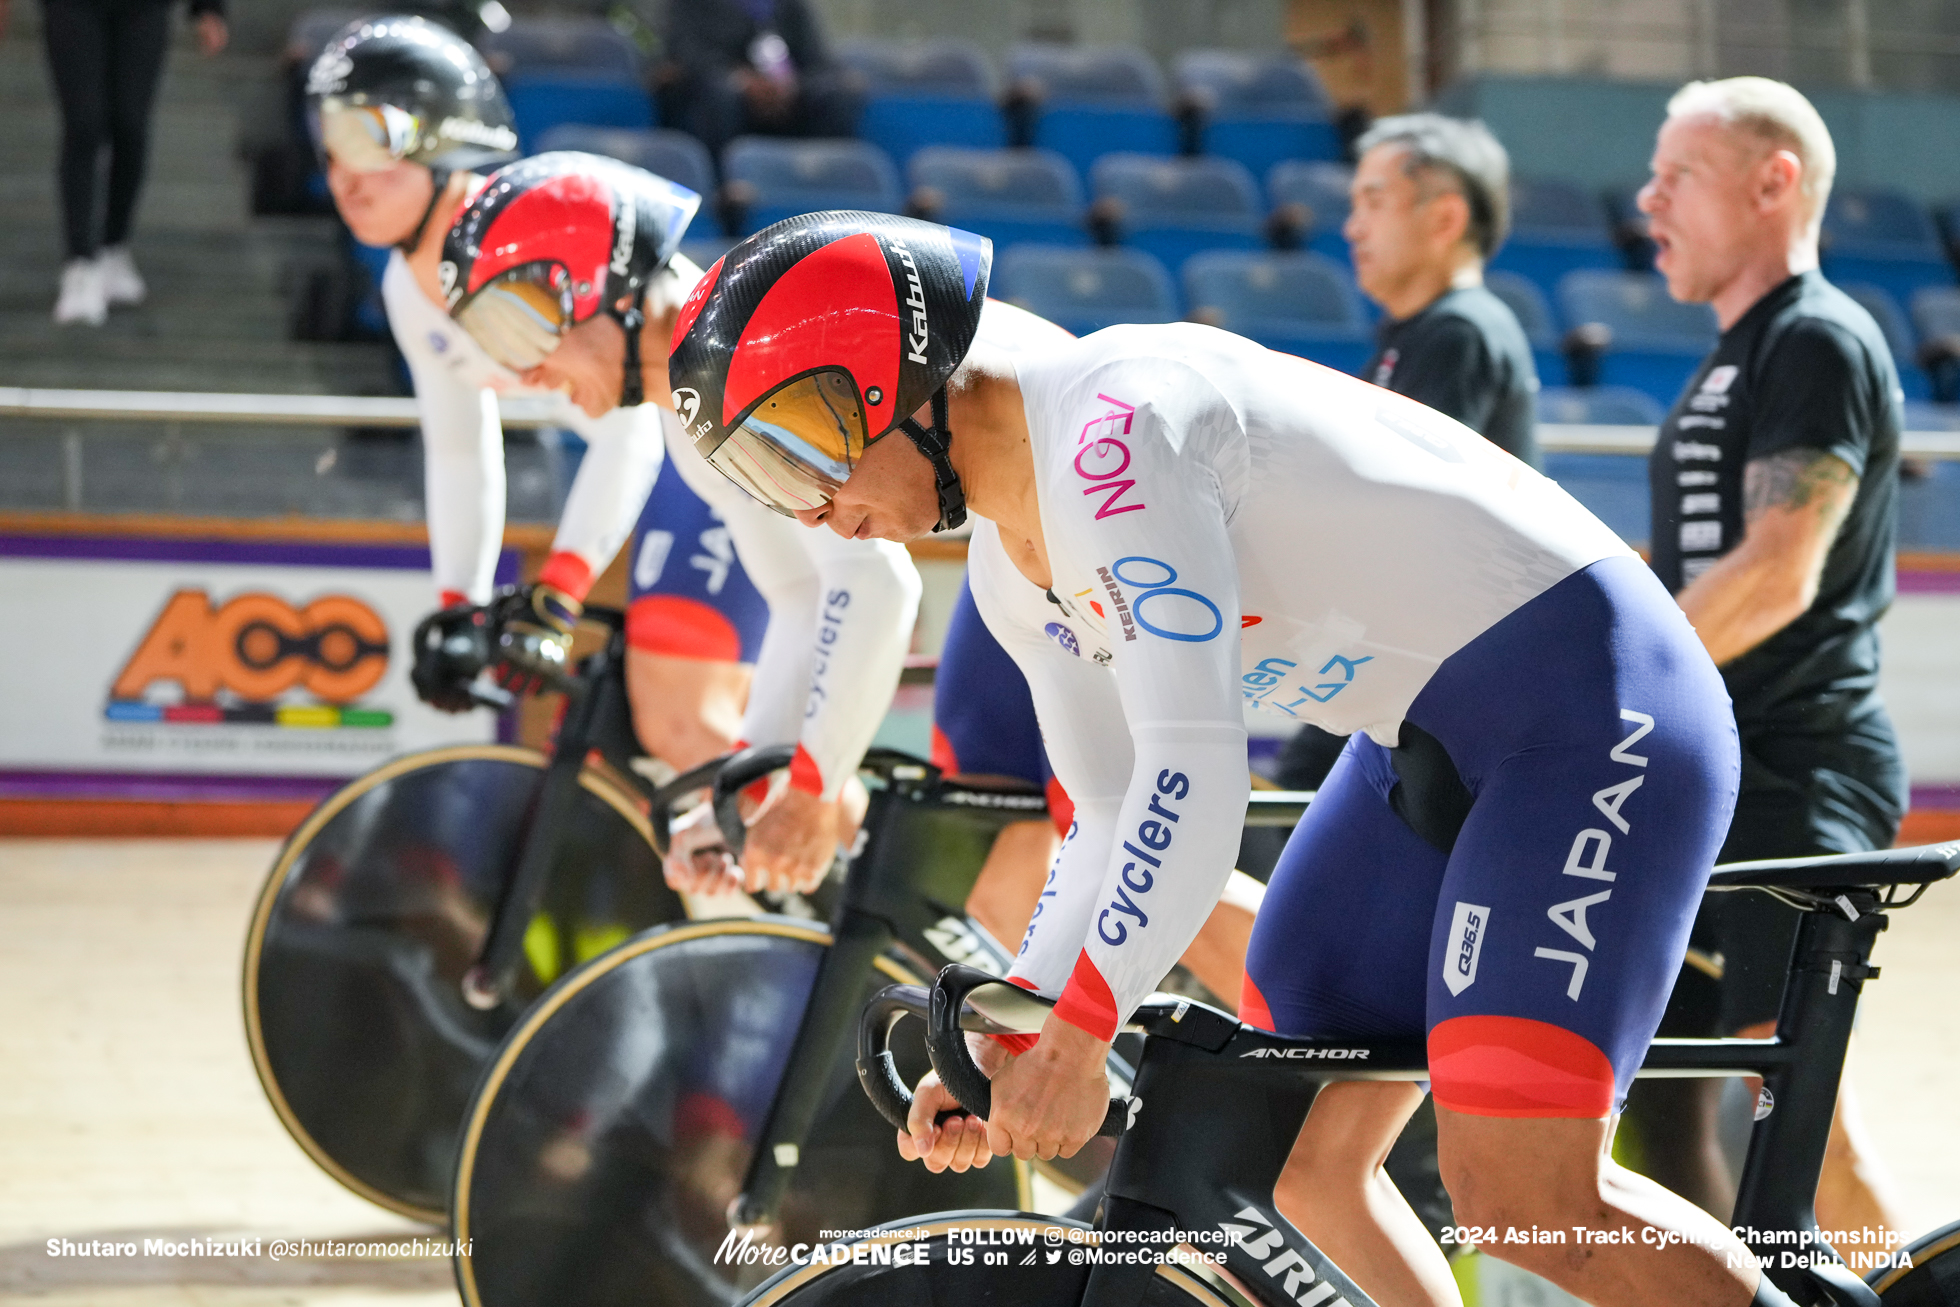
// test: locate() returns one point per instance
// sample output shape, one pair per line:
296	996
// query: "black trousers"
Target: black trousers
106	57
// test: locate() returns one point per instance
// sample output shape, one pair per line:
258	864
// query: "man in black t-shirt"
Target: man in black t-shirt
1431	205
1774	487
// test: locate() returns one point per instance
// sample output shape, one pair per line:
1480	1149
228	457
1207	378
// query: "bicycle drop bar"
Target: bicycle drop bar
1015	1010
737	774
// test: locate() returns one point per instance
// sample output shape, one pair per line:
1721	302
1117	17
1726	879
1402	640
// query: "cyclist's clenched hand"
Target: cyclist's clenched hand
792	844
1052	1099
959	1143
698	860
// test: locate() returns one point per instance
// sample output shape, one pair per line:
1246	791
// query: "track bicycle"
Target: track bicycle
1217	1105
416	914
696	1081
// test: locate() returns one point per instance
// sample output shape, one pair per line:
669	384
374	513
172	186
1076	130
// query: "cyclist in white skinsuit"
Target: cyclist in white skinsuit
841	611
1187	522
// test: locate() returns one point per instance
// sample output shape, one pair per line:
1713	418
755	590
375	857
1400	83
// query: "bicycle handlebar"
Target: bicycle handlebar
946	1027
736	773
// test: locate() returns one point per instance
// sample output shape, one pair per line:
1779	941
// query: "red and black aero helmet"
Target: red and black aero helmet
817	336
553	240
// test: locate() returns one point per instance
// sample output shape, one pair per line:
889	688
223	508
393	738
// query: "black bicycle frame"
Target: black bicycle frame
596	712
898	891
1219	1104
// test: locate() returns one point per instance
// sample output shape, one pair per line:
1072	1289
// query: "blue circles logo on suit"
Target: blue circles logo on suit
1064	637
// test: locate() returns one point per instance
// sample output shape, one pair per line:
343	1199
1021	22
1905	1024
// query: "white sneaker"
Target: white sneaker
82	298
121	283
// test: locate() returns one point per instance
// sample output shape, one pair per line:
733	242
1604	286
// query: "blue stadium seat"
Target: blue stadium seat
541	102
1922	416
1884	238
1294	302
1556	228
562	46
790	177
1175	207
1655	343
1534	314
1008	196
1323	189
1620	406
1094	100
1258	109
1085	290
935	67
1936	315
1891	320
921	93
1079	72
674	155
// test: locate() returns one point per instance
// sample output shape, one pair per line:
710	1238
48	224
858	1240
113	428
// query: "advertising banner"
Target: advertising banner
152	657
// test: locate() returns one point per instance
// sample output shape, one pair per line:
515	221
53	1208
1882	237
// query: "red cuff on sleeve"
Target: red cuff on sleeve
1086	1002
1013	1043
452	598
566	571
804	774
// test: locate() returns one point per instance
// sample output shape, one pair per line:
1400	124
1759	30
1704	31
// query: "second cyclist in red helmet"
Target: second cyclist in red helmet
539	268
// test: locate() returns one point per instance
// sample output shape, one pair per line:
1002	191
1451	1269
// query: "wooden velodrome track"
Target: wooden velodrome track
129	1110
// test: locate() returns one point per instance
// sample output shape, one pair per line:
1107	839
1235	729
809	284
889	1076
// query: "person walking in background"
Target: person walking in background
105	58
1431	205
1775	493
752	66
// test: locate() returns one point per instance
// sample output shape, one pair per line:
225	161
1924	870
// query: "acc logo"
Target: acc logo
687	402
256	646
1064	637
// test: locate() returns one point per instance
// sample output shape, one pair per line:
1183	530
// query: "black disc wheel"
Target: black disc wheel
1933	1278
978	1258
377	906
616	1124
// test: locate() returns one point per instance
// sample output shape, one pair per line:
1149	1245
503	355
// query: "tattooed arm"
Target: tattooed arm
1793	502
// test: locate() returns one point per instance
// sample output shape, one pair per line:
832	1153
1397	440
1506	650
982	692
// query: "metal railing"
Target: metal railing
529	411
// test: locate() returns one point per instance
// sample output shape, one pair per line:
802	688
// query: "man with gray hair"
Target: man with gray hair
1774	484
1431	205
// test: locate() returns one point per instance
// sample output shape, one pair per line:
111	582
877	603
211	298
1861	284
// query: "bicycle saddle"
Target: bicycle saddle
1875	870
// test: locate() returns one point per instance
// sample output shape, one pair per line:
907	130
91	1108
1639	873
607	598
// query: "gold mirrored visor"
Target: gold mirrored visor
796	447
366	137
521	316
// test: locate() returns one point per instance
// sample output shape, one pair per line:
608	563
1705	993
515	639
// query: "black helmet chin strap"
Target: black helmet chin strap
632	387
440	176
936	443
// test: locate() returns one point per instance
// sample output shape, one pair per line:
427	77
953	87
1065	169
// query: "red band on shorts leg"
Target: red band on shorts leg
566	571
1252	1006
1061	808
698	1114
1513	1066
676	627
944	756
